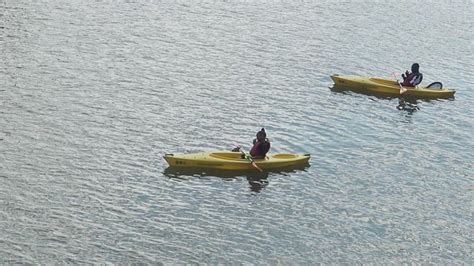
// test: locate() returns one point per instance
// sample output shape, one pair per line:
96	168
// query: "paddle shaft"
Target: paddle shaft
249	157
402	89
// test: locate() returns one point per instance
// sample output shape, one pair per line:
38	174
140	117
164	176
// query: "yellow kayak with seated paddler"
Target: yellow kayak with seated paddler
390	87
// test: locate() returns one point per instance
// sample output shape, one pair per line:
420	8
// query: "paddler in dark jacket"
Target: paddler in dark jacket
261	145
414	78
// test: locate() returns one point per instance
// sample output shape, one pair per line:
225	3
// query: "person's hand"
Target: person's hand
404	76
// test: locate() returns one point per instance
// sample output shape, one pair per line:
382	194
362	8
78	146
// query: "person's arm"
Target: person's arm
254	151
264	147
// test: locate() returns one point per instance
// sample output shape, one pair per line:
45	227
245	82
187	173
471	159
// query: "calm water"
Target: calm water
93	93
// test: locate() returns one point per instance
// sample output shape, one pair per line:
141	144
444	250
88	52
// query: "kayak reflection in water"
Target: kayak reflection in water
261	145
409	106
258	182
414	78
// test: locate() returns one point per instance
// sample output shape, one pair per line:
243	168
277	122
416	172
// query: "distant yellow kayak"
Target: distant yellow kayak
232	160
388	87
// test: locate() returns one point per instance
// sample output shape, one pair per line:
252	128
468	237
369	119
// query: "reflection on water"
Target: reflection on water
408	105
344	90
257	180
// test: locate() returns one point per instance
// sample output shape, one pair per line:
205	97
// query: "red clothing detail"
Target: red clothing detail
415	77
406	80
260	149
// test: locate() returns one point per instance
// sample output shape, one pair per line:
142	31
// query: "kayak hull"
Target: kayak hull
233	161
387	87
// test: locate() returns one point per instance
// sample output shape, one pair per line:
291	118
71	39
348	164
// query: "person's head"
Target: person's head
261	135
415	68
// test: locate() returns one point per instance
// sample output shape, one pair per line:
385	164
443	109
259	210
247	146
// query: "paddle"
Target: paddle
402	89
248	157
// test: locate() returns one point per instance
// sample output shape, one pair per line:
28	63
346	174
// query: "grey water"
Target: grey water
94	93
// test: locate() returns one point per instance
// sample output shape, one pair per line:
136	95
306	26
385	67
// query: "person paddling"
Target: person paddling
261	145
414	78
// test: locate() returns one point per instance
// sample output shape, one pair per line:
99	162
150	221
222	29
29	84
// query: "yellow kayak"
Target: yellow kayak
233	160
388	87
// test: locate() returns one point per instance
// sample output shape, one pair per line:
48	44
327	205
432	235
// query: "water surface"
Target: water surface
93	93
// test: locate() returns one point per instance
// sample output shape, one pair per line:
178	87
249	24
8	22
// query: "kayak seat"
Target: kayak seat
226	155
435	85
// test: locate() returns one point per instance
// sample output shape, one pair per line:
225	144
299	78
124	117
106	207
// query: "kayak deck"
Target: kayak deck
387	87
234	161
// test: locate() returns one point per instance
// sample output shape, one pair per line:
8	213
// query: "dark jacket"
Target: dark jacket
260	148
